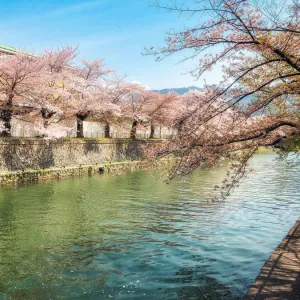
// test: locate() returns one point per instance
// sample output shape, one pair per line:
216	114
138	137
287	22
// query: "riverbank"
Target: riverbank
8	178
280	276
37	159
22	155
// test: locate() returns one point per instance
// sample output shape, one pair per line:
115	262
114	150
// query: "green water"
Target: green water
134	237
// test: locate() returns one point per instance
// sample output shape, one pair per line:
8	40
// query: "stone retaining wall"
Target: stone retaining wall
39	154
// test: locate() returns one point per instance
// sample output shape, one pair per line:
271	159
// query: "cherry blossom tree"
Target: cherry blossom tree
39	83
257	42
56	96
53	88
122	94
90	85
21	76
164	110
144	107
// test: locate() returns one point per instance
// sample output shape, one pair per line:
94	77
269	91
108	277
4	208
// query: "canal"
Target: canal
135	237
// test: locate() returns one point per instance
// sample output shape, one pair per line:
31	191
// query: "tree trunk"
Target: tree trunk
152	132
47	116
80	119
79	128
107	130
133	130
179	128
6	116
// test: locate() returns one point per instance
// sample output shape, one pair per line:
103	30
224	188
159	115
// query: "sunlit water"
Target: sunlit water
134	237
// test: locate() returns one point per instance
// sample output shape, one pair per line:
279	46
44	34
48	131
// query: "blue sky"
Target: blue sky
117	30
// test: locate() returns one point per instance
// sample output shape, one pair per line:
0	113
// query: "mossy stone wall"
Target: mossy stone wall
38	154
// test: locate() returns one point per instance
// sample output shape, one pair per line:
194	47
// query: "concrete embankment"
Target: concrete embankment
279	279
58	173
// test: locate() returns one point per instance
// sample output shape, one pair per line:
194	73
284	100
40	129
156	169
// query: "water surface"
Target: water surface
134	237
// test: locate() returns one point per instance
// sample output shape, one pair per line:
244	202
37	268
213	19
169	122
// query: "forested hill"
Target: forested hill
179	91
184	90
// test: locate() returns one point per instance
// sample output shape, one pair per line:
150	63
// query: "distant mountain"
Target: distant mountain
179	91
184	90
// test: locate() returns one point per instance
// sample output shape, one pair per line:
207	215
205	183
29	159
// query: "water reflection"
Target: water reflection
133	237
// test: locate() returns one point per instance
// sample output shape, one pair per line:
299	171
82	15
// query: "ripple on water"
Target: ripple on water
133	237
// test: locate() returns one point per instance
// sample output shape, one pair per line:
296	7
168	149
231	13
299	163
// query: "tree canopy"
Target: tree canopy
257	102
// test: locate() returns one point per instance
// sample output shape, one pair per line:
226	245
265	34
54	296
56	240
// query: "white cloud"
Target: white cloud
138	82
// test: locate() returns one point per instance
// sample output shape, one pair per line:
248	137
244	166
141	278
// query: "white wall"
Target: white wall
93	129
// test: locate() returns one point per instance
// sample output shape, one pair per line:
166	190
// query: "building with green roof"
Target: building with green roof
8	50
